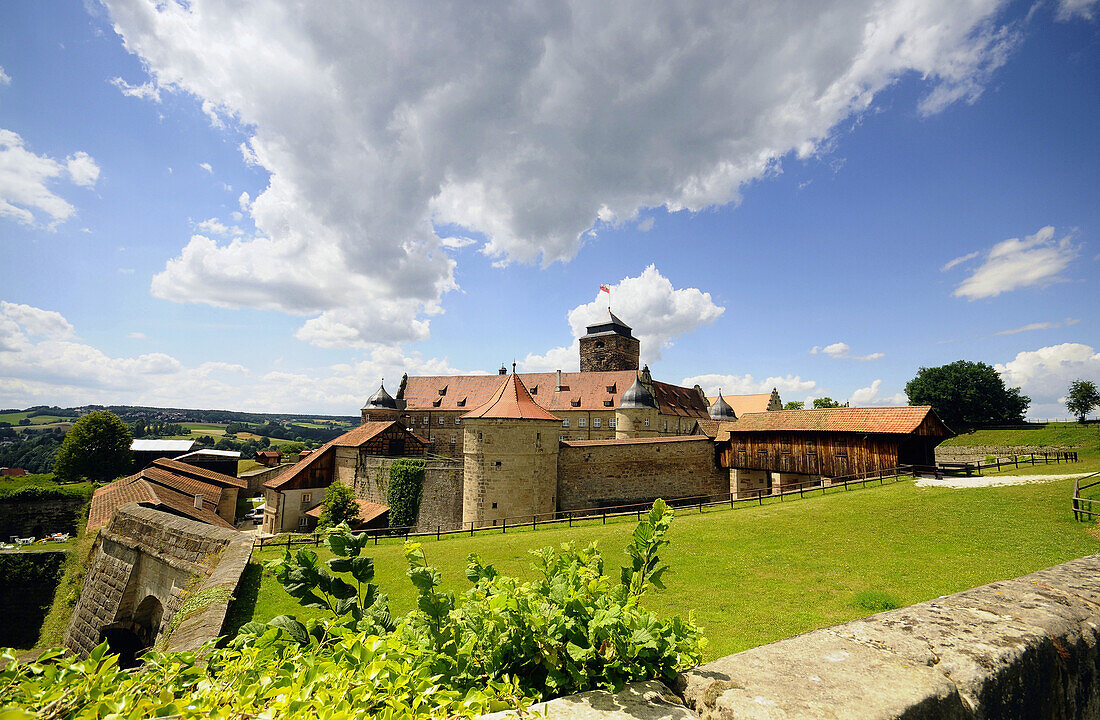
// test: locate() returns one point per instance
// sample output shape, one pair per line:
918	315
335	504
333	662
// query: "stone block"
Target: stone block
649	700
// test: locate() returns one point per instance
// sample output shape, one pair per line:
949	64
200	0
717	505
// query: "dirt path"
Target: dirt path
978	482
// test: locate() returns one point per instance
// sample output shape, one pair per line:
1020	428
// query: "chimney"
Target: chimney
198	501
558	388
503	370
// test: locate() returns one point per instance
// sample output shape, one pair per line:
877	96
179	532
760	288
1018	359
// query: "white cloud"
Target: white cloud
207	167
748	385
1039	326
565	358
866	395
25	178
212	226
125	271
842	350
1068	9
958	261
647	224
41	362
135	335
1044	375
145	91
455	243
566	114
1011	264
5	79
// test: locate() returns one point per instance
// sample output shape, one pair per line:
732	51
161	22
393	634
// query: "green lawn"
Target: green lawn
1085	439
759	574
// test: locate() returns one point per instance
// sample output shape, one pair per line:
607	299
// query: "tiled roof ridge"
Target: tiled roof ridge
203	473
512	401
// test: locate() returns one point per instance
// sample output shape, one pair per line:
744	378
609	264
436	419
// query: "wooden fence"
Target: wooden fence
616	512
958	469
1080	511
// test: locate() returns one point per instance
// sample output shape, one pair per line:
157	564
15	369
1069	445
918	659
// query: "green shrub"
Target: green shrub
403	494
876	601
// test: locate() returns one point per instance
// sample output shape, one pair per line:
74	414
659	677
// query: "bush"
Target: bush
403	494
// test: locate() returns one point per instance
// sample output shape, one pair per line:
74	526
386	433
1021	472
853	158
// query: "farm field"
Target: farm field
758	574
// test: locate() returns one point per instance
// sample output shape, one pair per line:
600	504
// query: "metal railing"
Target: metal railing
779	493
968	469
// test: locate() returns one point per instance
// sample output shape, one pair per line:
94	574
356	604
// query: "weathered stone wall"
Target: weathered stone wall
623	471
440	499
959	453
608	351
37	518
257	478
1026	648
145	553
509	469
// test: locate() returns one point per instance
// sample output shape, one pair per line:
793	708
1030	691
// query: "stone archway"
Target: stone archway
129	638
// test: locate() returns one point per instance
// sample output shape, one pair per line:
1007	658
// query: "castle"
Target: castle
503	448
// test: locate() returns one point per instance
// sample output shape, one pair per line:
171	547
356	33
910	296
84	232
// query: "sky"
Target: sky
272	206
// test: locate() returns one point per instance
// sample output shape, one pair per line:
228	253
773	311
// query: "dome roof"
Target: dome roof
381	400
637	396
721	409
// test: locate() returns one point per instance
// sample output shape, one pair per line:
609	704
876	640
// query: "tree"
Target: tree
1082	398
966	395
339	505
794	405
825	402
97	447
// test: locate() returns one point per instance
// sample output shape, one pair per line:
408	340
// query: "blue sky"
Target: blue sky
251	209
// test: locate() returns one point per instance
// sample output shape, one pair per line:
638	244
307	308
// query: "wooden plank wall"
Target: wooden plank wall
828	454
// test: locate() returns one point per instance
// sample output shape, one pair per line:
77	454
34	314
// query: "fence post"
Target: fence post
731	501
288	542
604	517
570	516
505	527
533	521
471	528
437	529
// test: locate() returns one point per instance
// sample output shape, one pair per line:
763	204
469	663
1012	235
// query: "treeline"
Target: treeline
279	431
140	429
34	452
218	417
248	448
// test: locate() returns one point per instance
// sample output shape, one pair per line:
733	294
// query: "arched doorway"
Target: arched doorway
129	638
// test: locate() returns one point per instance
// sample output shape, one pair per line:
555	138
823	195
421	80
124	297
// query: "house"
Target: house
291	494
772	450
268	458
174	487
220	461
12	472
146	451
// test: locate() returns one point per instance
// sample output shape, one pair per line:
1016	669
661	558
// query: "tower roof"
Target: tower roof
511	401
721	410
381	399
637	396
611	324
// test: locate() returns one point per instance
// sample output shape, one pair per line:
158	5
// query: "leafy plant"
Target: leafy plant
338	505
403	494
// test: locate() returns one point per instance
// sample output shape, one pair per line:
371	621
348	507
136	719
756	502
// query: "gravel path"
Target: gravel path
978	482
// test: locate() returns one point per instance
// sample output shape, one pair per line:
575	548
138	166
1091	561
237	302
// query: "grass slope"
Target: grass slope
759	574
1083	438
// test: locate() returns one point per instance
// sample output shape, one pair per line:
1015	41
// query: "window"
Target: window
575	403
611	423
595	422
565	422
582	422
461	403
303	522
453	439
494	506
666	425
306	497
607	403
425	418
647	422
442	419
458	420
611	388
497	464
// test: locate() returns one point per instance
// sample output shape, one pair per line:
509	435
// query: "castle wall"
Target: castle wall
510	469
609	351
440	498
629	471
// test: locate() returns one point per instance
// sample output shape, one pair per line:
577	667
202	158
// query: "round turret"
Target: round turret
637	396
721	409
380	406
636	415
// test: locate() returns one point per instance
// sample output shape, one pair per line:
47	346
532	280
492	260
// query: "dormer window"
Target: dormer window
437	403
607	403
611	388
461	403
534	390
443	391
575	403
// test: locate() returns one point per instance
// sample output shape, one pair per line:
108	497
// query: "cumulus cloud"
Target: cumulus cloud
1069	9
567	116
136	335
657	312
212	226
866	395
748	385
1044	375
207	167
42	362
25	179
843	350
1012	264
5	79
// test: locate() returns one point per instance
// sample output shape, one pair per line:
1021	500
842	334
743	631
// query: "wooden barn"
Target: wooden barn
773	450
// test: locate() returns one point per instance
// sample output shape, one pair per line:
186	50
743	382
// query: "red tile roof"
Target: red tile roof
290	472
902	420
200	473
587	391
368	431
745	404
367	510
157	487
511	401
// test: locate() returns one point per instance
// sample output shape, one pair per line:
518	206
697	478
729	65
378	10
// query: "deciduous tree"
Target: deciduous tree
825	402
97	447
339	505
966	395
794	405
1082	398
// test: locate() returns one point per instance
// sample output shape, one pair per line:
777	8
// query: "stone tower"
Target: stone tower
380	406
609	345
510	458
636	415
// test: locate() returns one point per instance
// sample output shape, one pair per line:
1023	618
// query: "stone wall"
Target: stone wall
1023	648
27	584
960	453
440	499
144	553
256	478
599	474
38	518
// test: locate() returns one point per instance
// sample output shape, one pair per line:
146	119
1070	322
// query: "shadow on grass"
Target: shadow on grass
243	606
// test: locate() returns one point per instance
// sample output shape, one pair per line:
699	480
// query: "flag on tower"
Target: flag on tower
606	289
